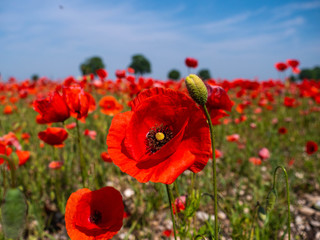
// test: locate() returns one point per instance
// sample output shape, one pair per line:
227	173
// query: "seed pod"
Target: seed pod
271	200
262	214
197	89
14	213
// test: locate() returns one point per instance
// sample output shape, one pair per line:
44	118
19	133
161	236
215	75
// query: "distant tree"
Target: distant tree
35	77
91	65
174	74
140	64
310	73
204	74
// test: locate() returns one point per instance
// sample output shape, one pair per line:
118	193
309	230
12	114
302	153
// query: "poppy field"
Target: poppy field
140	158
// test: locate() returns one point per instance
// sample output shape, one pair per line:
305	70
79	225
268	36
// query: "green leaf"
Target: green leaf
14	213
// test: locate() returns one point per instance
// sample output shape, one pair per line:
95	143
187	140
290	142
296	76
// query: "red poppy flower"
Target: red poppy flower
8	110
4	150
23	156
311	147
77	100
293	63
55	164
106	157
110	106
191	62
282	130
255	160
165	134
91	134
71	125
94	214
121	73
264	153
167	233
180	204
52	109
289	102
102	73
281	66
233	138
53	136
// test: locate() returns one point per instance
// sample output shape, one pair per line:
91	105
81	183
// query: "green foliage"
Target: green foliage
307	73
140	64
91	65
35	77
14	212
204	74
174	74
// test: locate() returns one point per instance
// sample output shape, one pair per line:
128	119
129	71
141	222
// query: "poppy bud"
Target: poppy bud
271	200
262	215
197	89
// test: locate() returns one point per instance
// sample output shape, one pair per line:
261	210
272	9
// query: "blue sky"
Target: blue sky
233	39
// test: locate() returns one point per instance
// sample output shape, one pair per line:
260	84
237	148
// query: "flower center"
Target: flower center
157	137
95	217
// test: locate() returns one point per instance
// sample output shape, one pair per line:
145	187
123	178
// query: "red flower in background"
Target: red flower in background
102	73
255	160
77	100
191	62
23	156
90	133
105	157
110	106
165	134
264	154
233	138
289	102
280	66
52	109
53	136
293	63
179	204
55	164
121	73
311	147
8	110
282	130
94	214
4	150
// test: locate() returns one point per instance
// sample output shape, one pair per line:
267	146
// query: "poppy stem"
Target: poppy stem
82	161
12	169
214	173
169	193
288	196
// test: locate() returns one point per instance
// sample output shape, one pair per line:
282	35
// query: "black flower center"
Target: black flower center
95	217
157	137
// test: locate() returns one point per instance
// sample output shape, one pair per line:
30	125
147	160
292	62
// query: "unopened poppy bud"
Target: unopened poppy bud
262	215
271	200
197	89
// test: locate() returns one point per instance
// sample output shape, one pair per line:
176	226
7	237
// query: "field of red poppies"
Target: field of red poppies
140	158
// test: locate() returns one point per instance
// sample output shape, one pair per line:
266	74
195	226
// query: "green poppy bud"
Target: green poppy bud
271	200
197	89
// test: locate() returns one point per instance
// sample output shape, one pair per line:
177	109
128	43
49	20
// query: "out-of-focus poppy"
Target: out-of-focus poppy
165	134
191	62
53	136
8	110
167	233
23	156
94	214
311	147
120	73
264	153
71	125
110	106
233	138
102	73
280	66
255	160
293	63
52	109
4	150
179	204
282	130
55	164
289	102
77	100
106	157
90	133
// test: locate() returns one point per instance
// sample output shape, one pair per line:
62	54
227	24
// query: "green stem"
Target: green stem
82	161
12	169
288	196
214	173
169	193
